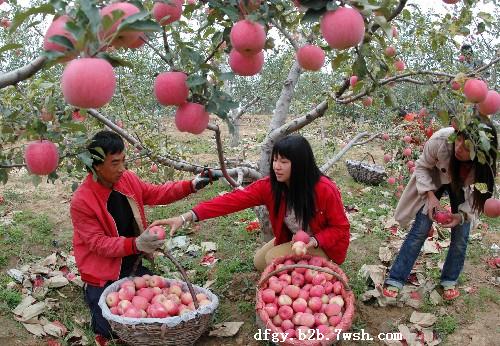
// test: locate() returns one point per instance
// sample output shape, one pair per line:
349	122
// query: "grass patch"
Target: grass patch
446	325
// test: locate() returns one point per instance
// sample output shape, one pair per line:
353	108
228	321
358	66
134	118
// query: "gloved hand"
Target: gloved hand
148	242
204	178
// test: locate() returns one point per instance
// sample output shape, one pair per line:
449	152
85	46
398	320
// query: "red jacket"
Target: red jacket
98	248
330	225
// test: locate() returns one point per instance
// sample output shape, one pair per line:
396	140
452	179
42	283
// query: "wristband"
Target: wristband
183	219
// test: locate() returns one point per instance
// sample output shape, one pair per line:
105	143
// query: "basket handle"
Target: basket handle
366	155
307	266
184	276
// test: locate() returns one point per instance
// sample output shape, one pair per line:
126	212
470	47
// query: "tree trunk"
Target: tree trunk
280	116
234	131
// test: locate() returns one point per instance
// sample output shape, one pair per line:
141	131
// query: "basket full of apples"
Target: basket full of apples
153	310
307	297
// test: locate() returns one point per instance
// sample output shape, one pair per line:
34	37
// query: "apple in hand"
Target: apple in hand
159	231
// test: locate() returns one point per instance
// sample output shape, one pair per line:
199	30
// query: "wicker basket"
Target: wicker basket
175	331
264	321
366	173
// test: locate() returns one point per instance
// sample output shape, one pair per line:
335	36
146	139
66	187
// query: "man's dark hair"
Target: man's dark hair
104	143
466	48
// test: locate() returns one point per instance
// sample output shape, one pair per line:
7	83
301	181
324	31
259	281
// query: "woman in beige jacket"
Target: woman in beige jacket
445	166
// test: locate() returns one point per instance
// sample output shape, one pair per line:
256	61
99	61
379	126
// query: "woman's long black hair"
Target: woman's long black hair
300	193
483	172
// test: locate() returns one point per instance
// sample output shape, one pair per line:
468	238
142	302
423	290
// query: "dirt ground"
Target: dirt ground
53	200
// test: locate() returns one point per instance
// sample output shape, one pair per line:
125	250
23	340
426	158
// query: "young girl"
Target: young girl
446	165
297	196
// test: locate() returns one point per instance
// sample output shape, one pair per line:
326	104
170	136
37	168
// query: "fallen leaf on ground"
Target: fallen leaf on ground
226	329
208	246
384	254
423	319
435	297
35	329
53	329
209	283
430	247
56	282
23	305
32	311
375	272
407	335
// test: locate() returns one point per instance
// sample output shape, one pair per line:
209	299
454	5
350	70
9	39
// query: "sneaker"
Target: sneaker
450	293
390	291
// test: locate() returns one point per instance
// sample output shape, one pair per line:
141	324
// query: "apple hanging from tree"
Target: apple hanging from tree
247	37
41	157
246	65
170	88
167	13
310	57
475	90
343	28
88	82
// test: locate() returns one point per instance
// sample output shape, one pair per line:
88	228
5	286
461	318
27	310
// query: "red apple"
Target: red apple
41	157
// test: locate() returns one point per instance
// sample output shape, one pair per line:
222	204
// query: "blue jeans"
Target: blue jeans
414	241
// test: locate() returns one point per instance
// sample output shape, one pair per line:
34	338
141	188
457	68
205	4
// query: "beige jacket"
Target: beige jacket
431	171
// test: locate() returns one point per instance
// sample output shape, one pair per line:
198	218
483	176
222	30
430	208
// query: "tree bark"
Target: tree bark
280	115
22	73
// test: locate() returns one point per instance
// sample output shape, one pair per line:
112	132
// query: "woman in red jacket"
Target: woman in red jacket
297	196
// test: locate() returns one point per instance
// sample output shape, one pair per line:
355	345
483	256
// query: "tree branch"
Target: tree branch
157	51
164	160
22	73
211	55
482	68
220	154
328	164
298	123
286	34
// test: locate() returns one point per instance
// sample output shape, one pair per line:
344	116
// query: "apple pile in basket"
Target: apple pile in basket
302	300
150	296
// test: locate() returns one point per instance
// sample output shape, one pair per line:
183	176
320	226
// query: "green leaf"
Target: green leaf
481	157
20	17
314	4
92	14
143	26
312	15
194	80
444	116
481	187
339	59
62	41
481	27
484	142
114	60
86	158
359	67
74	30
231	12
469	145
10	46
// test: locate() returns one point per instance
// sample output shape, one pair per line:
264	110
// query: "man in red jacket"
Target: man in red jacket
107	212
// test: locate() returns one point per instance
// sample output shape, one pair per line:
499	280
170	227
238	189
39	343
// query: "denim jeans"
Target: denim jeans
413	243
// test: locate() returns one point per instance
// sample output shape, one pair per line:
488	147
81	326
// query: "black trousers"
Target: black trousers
92	294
